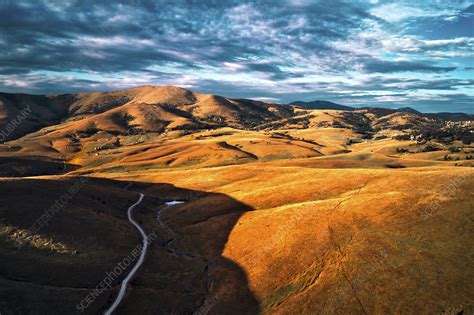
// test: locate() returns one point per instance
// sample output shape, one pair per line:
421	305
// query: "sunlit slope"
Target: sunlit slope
341	241
170	127
145	108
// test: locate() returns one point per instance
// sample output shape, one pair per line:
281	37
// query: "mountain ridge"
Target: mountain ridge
320	104
145	107
328	105
168	108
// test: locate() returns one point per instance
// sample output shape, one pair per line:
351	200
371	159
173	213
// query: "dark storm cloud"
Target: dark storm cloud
59	35
274	71
132	35
396	84
448	84
403	66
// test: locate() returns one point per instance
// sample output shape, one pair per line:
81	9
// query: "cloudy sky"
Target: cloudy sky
360	53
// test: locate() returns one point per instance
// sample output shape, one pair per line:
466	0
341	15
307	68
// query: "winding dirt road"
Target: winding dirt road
168	245
132	272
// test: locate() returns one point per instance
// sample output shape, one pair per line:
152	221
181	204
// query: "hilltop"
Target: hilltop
145	108
168	126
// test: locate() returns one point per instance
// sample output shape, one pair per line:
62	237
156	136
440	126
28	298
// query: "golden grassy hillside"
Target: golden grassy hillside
147	108
335	240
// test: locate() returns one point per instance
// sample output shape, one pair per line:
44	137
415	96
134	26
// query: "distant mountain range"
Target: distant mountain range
161	109
83	127
319	104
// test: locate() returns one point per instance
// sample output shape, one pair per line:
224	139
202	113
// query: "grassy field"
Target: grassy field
336	240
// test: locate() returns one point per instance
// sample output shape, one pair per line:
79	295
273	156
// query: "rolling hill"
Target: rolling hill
284	209
147	108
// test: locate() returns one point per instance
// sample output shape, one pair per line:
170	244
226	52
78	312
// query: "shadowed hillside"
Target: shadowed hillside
51	265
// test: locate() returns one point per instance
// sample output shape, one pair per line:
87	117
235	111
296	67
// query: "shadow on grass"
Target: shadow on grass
23	167
94	226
